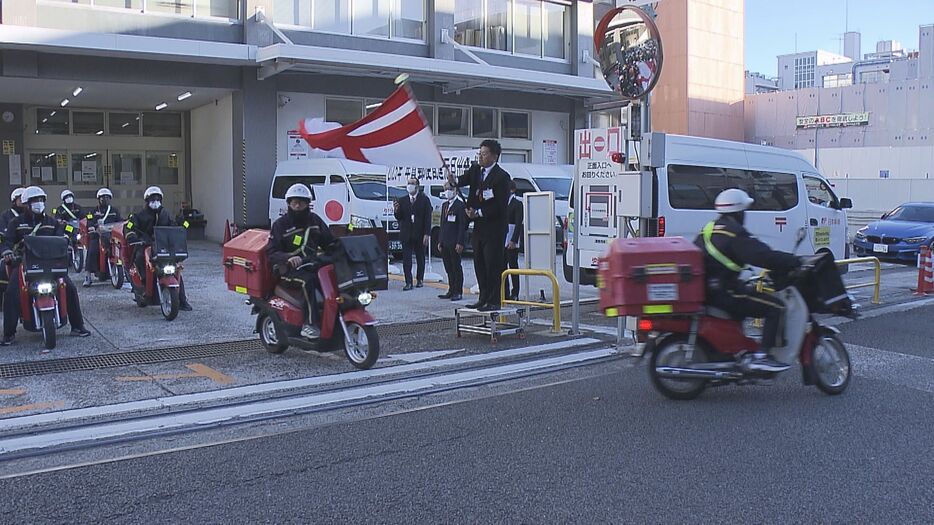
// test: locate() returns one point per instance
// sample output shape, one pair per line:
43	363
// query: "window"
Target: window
47	168
452	121
373	188
217	8
408	19
52	121
162	124
523	186
819	193
343	111
127	168
371	17
485	123
429	112
696	187
87	168
832	81
196	8
561	187
127	4
87	122
175	7
331	15
529	27
281	184
515	125
124	124
161	167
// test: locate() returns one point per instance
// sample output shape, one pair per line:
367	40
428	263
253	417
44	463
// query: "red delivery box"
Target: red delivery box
246	267
654	275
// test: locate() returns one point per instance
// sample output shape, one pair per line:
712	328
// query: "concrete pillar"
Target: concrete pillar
11	131
440	16
254	147
582	25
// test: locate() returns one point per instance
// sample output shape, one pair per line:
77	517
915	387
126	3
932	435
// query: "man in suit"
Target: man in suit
414	215
513	238
486	207
451	242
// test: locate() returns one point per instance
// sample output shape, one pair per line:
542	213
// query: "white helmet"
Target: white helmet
16	193
66	193
104	191
732	200
298	191
152	190
33	192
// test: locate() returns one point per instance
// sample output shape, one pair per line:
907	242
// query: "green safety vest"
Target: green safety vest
715	253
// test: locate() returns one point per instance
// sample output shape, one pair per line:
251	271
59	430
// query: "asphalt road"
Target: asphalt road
603	448
907	332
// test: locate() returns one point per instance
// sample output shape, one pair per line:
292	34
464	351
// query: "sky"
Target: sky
771	26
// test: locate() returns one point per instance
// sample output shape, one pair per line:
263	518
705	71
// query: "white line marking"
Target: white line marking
119	429
81	415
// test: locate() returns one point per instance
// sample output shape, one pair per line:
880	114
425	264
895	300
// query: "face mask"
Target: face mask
69	200
300	217
412	189
37	207
449	194
155	205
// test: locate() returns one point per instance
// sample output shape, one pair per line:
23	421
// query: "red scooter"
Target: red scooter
43	304
691	352
343	317
109	264
163	267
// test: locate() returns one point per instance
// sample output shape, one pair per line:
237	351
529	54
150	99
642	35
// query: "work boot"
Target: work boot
87	281
763	362
310	332
185	307
7	340
80	332
447	295
418	283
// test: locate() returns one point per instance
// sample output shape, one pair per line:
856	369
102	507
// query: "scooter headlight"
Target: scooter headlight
78	236
365	298
168	269
44	288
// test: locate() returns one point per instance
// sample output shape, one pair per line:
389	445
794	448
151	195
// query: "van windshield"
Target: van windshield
561	187
373	188
281	184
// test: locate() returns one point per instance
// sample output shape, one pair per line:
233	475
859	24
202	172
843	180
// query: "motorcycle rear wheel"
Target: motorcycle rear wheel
169	303
116	275
48	328
831	364
269	336
670	352
361	345
77	259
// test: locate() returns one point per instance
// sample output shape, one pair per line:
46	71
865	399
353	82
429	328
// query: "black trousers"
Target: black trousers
454	267
11	308
512	261
308	280
92	260
489	260
747	303
417	247
4	280
139	260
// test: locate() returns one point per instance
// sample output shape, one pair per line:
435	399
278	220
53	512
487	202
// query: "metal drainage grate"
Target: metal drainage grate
139	357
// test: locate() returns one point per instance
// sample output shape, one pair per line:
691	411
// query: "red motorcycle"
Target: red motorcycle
109	264
691	352
43	304
163	267
280	306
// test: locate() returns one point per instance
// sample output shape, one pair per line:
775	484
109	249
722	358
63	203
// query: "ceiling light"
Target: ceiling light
90	155
65	102
162	106
371	106
125	124
77	91
184	95
45	120
101	132
52	114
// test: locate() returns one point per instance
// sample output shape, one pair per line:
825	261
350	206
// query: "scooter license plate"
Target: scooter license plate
880	248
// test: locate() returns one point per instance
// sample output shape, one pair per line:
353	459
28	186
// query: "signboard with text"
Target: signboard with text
832	121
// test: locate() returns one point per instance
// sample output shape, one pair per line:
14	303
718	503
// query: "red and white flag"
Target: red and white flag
396	134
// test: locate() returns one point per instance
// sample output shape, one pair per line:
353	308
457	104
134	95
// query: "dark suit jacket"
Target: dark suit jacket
453	231
493	220
514	216
421	226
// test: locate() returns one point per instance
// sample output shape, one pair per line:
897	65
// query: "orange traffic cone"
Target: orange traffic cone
925	272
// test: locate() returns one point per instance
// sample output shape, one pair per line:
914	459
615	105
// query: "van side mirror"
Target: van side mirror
846	203
801	235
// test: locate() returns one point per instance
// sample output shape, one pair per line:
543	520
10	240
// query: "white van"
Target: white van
343	192
689	173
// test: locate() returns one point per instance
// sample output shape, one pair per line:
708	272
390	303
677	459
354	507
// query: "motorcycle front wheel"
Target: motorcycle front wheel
831	364
671	351
361	345
169	303
116	275
48	328
77	259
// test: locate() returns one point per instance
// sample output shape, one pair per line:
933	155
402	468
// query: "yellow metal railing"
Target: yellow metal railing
555	293
876	282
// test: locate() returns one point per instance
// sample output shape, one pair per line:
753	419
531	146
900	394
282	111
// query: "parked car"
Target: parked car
899	235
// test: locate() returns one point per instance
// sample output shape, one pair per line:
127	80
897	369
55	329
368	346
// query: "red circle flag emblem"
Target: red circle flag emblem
334	211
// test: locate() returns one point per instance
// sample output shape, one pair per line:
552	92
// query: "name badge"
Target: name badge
413	217
487	194
452	218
